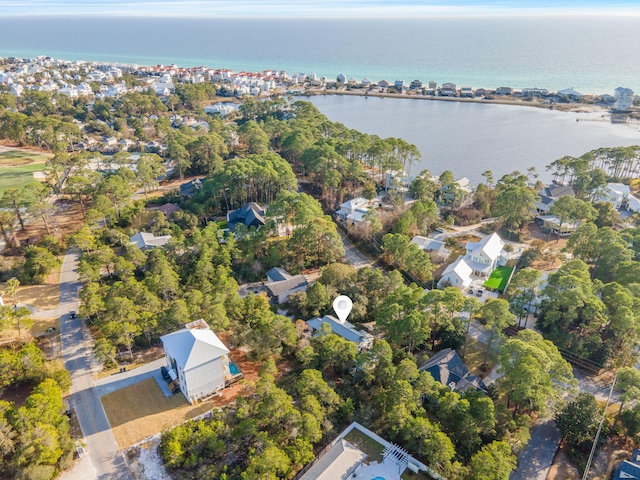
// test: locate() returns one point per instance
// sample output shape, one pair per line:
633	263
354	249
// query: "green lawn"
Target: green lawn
475	353
18	177
498	279
17	167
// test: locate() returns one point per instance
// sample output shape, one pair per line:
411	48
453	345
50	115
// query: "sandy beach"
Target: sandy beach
528	102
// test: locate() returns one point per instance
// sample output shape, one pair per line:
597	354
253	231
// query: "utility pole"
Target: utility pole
595	440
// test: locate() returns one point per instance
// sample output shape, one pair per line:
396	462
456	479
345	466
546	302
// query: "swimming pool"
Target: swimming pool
233	368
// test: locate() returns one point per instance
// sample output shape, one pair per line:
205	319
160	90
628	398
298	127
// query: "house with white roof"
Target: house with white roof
620	196
346	330
486	255
482	258
343	459
147	241
458	275
16	89
429	244
198	360
571	93
624	99
349	209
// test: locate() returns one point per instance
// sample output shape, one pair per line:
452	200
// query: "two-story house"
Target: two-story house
197	359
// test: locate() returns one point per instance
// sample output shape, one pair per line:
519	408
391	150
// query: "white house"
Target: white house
350	207
484	256
197	359
346	330
429	244
624	98
147	241
571	93
16	89
458	274
620	196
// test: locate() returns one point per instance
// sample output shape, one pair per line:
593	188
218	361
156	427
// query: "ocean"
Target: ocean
590	54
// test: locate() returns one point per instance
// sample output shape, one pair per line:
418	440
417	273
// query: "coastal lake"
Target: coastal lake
469	138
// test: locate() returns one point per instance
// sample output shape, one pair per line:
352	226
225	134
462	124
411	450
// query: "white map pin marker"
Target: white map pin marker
342	305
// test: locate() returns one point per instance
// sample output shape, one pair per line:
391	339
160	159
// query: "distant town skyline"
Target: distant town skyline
319	8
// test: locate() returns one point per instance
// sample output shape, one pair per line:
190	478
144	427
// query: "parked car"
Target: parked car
165	373
471	291
480	292
73	314
440	230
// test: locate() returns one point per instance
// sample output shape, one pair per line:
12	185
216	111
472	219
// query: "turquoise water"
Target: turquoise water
591	54
233	368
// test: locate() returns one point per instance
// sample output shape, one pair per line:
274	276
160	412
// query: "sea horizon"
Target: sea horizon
479	52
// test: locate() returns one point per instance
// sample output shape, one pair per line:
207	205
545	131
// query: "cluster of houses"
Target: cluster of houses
622	99
618	194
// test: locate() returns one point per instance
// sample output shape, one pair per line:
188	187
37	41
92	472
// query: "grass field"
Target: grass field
475	353
498	279
141	410
17	167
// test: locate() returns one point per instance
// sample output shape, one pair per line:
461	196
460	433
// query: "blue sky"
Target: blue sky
316	8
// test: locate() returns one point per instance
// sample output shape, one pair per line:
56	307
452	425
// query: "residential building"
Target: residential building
399	84
167	209
458	275
198	360
629	469
16	89
281	284
383	84
433	85
467	92
447	367
624	99
485	256
448	90
350	207
481	259
341	78
342	459
504	91
571	93
620	196
535	92
346	330
188	189
148	241
416	85
549	195
429	244
551	224
250	215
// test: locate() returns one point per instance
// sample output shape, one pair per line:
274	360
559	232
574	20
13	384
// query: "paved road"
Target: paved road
354	256
107	462
536	459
